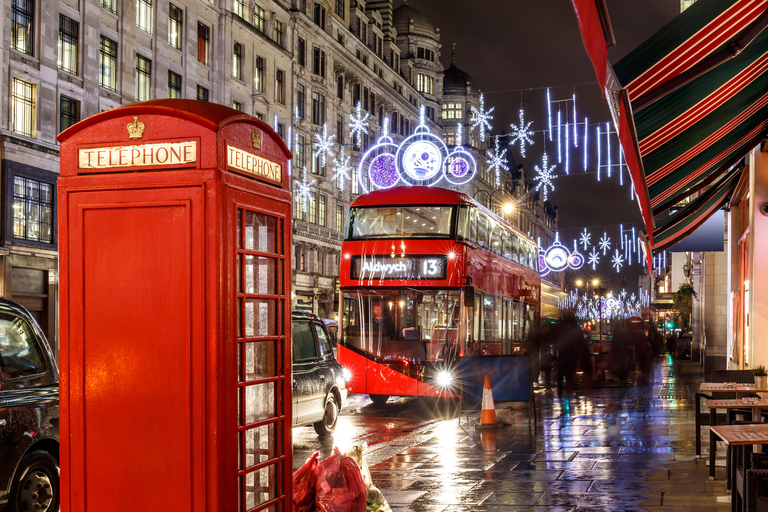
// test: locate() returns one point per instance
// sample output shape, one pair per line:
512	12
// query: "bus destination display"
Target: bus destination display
411	268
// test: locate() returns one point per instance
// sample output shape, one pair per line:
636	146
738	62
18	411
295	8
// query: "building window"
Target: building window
108	64
67	112
318	61
110	5
68	36
237	105
259	18
279	32
338	8
240	6
174	84
425	84
340	87
318	108
339	129
202	93
453	111
23	98
32	210
319	15
355	184
423	53
355	94
300	152
22	22
301	99
313	207
144	15
279	86
301	52
237	61
339	218
143	78
281	130
321	217
258	75
175	24
203	39
317	162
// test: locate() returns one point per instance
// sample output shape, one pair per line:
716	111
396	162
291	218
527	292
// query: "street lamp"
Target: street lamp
506	207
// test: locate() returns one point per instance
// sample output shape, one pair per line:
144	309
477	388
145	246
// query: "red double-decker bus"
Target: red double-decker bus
429	277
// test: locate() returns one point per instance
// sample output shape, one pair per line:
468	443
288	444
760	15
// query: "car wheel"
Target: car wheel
326	426
36	484
379	399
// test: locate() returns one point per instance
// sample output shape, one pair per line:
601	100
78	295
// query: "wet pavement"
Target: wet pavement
611	448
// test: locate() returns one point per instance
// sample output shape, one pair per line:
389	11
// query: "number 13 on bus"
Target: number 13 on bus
430	278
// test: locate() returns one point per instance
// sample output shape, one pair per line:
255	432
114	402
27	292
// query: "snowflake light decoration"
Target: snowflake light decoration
497	161
357	124
342	168
482	118
605	243
521	133
304	190
324	144
585	238
545	176
617	261
594	258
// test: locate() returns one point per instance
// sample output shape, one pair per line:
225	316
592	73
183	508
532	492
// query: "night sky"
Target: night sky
514	50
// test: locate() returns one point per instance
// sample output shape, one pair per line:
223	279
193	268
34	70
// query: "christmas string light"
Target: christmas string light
559	125
567	143
598	152
617	261
292	145
594	258
586	130
545	176
521	133
357	124
608	137
575	136
482	118
585	238
549	113
605	243
342	168
497	161
304	190
324	144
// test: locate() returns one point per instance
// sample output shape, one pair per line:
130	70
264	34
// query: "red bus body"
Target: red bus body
471	277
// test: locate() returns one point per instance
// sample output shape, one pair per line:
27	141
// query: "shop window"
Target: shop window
68	112
143	78
174	85
30	194
144	15
203	42
175	23
23	108
108	64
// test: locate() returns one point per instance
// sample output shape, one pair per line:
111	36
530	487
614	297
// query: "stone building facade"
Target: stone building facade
300	65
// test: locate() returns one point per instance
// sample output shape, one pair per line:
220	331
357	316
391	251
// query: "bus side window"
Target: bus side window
463	230
531	257
482	230
473	225
505	244
496	239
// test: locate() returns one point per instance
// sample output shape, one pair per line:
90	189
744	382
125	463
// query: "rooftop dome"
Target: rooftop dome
455	81
402	16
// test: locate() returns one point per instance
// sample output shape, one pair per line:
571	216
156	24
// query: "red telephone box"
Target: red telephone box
175	236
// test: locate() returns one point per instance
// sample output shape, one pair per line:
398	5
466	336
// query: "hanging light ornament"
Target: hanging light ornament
304	190
324	144
482	118
342	168
357	124
497	161
545	176
521	133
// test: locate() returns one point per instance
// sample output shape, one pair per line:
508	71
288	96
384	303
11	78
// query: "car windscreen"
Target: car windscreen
303	341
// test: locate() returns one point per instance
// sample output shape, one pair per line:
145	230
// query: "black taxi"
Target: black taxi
319	381
29	414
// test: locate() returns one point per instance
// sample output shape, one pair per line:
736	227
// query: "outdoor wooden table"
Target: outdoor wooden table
755	404
736	436
730	387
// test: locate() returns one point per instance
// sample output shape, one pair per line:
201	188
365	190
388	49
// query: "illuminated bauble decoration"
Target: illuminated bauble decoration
543	268
460	166
556	257
383	171
575	259
422	160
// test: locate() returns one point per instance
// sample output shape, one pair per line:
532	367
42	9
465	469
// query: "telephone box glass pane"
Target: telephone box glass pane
260	317
261	486
259	445
260	275
259	361
259	402
260	232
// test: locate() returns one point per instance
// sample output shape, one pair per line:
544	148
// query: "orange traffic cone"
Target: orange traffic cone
488	413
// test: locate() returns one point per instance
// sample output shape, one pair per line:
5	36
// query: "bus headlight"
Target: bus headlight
444	378
347	374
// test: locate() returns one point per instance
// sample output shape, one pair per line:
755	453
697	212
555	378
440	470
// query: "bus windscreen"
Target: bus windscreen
400	221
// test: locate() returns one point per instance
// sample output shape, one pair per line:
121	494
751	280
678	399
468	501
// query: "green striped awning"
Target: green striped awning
690	102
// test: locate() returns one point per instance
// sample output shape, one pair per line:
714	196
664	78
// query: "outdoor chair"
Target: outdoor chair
756	498
751	486
702	418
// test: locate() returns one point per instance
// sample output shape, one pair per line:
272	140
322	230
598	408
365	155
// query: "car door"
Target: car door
306	383
6	446
325	363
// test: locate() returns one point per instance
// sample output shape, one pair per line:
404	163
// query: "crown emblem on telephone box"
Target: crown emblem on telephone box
256	139
136	128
